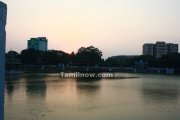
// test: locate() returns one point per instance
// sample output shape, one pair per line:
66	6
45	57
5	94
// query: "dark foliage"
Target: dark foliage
88	56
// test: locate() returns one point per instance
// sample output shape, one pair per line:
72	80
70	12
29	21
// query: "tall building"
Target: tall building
39	43
172	48
159	49
148	49
3	15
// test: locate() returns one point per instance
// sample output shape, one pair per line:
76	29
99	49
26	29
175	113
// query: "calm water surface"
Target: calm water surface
47	97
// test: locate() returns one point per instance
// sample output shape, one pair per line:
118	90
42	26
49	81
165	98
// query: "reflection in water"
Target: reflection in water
35	85
36	94
87	86
88	91
10	83
36	88
47	97
9	87
160	93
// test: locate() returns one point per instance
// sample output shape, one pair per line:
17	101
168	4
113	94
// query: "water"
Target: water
47	97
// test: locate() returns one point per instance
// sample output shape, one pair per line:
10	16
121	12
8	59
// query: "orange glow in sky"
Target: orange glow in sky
114	26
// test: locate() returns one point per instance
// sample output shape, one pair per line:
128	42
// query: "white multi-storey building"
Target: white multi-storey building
3	15
39	43
148	49
159	49
172	48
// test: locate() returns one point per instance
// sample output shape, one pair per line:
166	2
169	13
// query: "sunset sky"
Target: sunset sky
117	27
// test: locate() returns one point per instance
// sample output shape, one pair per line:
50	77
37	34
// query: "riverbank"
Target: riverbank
57	69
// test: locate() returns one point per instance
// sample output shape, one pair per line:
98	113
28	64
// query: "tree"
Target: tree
30	56
170	60
35	57
88	56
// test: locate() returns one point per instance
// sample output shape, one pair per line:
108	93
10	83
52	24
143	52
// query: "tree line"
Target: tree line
86	56
92	56
171	60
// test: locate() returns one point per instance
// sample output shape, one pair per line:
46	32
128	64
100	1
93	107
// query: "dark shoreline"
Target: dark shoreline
49	69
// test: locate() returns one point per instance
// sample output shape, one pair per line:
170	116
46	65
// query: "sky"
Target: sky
116	27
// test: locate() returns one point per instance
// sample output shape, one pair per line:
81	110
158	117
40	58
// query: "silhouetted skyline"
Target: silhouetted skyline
114	26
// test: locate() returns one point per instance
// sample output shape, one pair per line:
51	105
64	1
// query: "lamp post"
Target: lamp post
3	15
